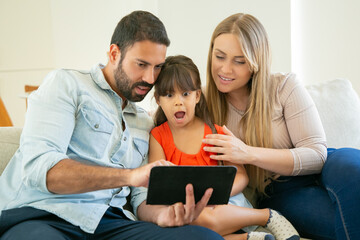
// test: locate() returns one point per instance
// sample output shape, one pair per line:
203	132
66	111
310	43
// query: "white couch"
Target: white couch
338	105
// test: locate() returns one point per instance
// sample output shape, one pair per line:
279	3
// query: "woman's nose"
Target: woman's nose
226	67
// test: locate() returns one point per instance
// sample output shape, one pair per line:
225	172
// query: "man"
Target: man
85	142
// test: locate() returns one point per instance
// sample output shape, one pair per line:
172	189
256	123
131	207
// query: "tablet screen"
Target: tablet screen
167	183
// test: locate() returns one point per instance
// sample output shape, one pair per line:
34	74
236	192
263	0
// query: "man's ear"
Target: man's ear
114	54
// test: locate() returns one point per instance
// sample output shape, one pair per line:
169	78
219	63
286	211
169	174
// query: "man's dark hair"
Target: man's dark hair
139	26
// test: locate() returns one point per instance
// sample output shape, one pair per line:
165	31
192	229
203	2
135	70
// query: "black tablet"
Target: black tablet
167	183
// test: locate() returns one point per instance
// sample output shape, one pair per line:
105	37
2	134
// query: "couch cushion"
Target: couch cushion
339	109
9	143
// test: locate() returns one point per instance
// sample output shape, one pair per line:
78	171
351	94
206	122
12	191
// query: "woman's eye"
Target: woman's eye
219	57
240	62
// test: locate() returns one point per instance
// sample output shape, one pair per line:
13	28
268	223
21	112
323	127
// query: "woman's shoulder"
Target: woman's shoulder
285	83
283	80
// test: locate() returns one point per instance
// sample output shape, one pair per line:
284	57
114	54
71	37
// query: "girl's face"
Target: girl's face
179	106
229	68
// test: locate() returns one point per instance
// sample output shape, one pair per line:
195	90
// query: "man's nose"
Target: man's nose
149	76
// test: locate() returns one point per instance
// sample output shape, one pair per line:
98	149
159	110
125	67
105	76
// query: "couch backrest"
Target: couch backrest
339	109
9	143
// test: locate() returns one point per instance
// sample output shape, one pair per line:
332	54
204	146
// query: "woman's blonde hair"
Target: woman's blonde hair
256	122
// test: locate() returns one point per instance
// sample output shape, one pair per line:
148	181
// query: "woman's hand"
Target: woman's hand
229	147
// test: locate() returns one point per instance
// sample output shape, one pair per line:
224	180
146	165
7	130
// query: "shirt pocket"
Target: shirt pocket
91	134
140	151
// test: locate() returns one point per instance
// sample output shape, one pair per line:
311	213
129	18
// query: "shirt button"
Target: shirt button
96	126
125	138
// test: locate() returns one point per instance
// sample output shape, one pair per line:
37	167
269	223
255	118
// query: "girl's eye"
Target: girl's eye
169	95
185	94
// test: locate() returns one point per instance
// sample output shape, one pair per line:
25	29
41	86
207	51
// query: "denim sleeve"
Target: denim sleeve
50	120
138	194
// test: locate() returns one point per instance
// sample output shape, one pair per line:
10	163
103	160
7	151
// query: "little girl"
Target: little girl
182	121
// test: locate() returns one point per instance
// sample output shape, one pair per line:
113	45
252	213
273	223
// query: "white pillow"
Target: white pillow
339	109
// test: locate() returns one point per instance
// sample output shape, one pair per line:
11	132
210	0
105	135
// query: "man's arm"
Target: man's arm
69	177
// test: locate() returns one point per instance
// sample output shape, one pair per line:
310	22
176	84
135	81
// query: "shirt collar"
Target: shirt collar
99	78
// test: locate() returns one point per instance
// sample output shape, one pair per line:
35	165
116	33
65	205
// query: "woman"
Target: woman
274	129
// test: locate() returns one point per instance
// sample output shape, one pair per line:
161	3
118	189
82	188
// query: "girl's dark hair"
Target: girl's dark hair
181	72
139	26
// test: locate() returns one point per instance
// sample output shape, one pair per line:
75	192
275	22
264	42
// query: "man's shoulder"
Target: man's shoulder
141	120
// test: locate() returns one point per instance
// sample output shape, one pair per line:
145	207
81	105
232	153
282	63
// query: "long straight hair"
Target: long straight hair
181	72
256	122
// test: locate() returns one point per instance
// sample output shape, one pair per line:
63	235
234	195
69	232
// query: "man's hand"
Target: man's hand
178	214
139	177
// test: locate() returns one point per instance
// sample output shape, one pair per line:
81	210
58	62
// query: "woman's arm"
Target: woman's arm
298	136
236	151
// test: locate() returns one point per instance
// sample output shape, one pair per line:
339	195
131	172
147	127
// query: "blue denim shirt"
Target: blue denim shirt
76	115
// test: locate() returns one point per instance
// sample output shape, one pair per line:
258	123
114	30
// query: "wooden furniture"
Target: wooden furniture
29	89
5	120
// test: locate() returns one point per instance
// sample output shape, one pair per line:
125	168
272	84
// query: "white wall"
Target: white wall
326	40
40	35
317	39
26	50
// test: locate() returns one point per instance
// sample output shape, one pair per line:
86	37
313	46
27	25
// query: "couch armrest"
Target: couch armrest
9	143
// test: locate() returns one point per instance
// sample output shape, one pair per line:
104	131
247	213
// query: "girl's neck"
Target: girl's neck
190	126
187	139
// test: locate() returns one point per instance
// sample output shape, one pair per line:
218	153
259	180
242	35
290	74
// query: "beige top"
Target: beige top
296	125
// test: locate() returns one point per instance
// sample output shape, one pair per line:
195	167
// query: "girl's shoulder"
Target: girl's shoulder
219	129
160	129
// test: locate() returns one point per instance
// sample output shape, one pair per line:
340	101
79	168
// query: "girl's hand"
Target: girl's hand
229	147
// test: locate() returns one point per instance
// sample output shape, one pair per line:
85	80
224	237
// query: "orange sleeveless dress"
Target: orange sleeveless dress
164	137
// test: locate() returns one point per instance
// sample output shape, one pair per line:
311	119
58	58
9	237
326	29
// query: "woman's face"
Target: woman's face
229	68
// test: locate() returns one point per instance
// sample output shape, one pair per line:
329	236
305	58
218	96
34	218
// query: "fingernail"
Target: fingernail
190	187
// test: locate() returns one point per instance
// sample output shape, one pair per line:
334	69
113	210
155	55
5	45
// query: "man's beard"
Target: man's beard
123	84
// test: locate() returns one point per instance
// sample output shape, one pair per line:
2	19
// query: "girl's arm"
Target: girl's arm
241	179
156	152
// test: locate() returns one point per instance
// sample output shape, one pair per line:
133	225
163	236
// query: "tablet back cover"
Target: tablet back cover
167	183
